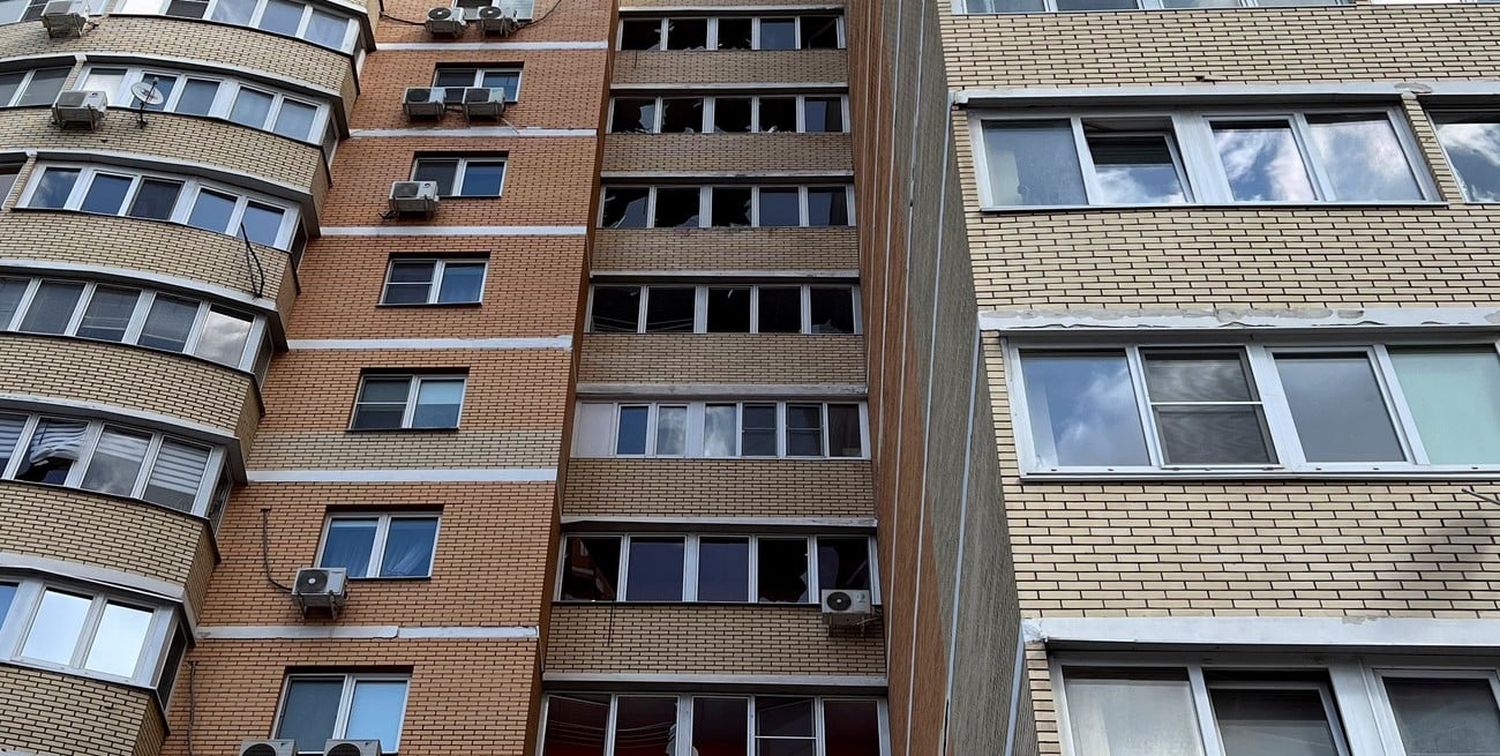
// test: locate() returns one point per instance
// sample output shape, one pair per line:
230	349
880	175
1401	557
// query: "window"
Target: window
1209	157
1039	6
392	402
1472	143
78	630
131	316
462	176
788	429
322	26
8	174
657	724
1444	715
317	708
728	114
725	206
455	79
1264	408
811	32
443	281
518	9
183	200
380	545
221	97
38	86
713	568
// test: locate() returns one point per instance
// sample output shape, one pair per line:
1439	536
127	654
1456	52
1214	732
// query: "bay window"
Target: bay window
737	206
738	32
324	26
253	104
729	114
771	429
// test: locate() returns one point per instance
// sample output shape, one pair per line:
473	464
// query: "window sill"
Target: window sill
1258	473
1022	209
382	579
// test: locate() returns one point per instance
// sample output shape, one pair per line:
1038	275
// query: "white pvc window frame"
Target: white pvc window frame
187	197
710	104
224	98
1280	426
434	284
347	45
1437	114
346	702
414	383
478	79
690	564
144	300
461	168
27	78
1191	138
17	623
683	732
383	521
701	299
712	35
705	204
696	431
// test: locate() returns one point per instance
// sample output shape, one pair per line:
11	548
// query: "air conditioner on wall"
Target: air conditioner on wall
268	748
65	18
423	102
443	21
498	21
80	108
320	588
843	608
483	102
414	198
352	748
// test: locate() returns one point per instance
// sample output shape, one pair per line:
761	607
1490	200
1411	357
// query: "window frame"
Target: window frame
706	127
187	197
1435	114
1205	182
960	7
705	204
440	265
346	701
383	521
480	70
696	428
17	624
413	390
711	38
461	169
224	98
530	5
348	45
691	557
1280	426
28	77
700	306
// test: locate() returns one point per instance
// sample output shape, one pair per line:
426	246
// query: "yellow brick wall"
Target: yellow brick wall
730	66
669	358
737	153
718	488
51	713
726	249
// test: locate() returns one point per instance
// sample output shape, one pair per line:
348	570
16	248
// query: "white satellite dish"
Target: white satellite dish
147	94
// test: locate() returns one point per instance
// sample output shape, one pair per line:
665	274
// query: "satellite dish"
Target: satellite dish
147	94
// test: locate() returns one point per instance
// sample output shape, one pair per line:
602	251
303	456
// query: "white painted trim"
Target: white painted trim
361	632
1388	633
687	681
51	268
475	132
711	390
798	86
1223	319
101	411
550	342
408	475
692	524
1323	93
454	230
438	46
102	576
758	176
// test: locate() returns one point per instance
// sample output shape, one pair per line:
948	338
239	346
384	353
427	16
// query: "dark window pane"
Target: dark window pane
1095	5
251	108
115	464
52	307
55	447
670	308
10	434
348	544
720	726
262	223
10	83
778	114
11	291
804	430
687	33
851	728
682	115
645	726
212	211
820	32
734	33
781	570
462	283
197	97
625	207
843	563
177	475
633	114
630	437
732	114
309	711
1338	408
758	430
640	34
168	323
676	208
408	547
827	206
108	313
731	206
1197	377
1213	434
106	194
1267	720
576	725
281	17
729	310
45	85
655	570
844	436
439	403
832	309
409	282
778	34
53	188
382	403
483	178
616	309
155	199
780	309
723	569
1445	717
783	717
780	207
822	114
441	171
591	569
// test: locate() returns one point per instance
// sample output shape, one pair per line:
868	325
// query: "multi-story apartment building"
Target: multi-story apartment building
1182	333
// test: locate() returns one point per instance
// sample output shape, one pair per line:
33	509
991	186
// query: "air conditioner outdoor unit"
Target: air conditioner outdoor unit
268	748
80	108
445	22
65	18
496	20
423	102
846	608
484	102
414	197
352	748
320	588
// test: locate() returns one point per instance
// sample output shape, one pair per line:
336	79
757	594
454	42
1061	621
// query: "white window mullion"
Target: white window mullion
1302	134
1143	403
1203	708
1406	423
609	725
624	578
753	558
148	460
1279	420
346	704
24	304
1200	158
705	206
690	568
79	307
413	385
1092	193
700	309
805	300
28	429
86	447
814	578
375	563
87	631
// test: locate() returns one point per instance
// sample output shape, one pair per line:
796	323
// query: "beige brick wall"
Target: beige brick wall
718	488
730	66
707	639
736	153
725	249
54	714
671	358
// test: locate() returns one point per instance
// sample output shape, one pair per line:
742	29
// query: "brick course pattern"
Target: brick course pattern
51	713
718	488
726	153
678	358
707	639
770	249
